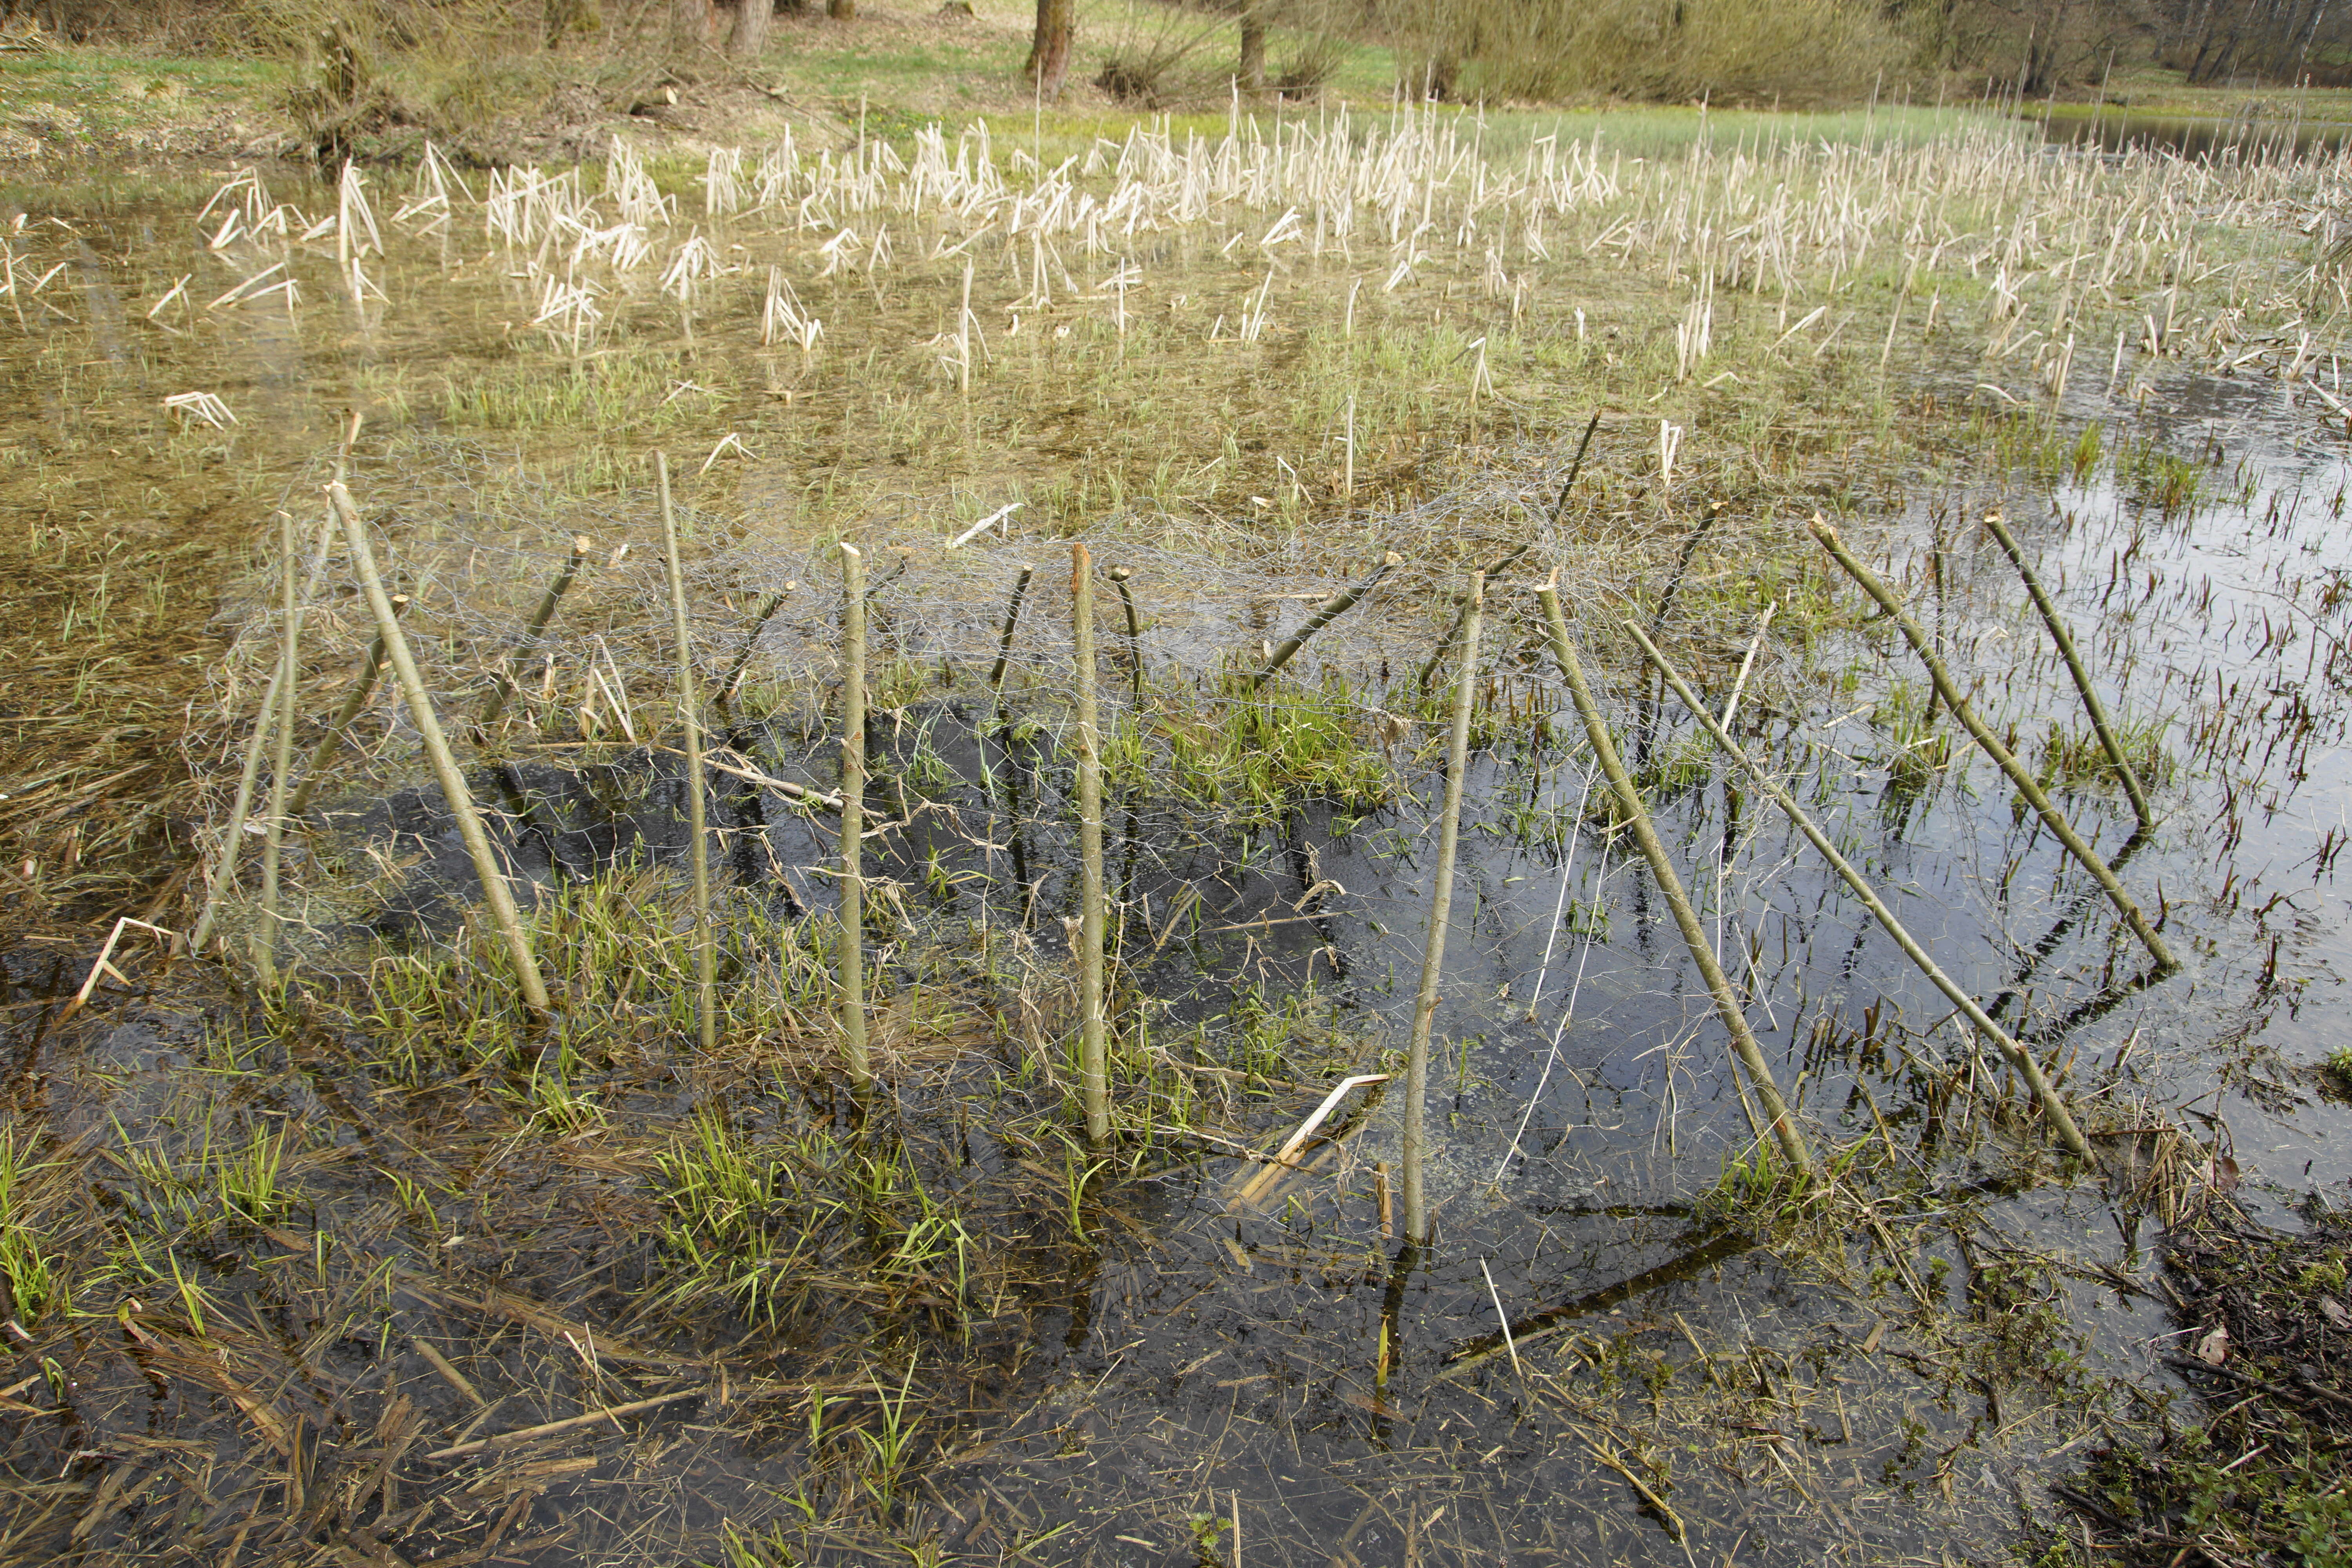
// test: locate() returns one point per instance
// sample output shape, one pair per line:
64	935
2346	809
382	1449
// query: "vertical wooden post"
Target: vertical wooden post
281	763
1094	1076
853	818
1441	908
705	956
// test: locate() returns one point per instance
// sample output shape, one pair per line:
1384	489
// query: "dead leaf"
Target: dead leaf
2214	1348
2333	1310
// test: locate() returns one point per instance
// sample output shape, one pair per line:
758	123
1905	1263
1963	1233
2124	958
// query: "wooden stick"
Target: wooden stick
282	762
2019	1057
445	765
1331	609
706	956
853	818
1011	620
363	686
768	608
1441	907
505	686
1629	800
1118	576
224	873
1093	1068
1990	743
2108	742
571	1422
1282	1159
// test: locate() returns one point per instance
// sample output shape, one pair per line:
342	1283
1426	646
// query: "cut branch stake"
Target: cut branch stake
705	974
362	687
1094	1074
1330	610
852	817
1629	800
504	690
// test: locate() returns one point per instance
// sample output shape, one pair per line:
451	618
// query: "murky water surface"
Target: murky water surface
1198	1363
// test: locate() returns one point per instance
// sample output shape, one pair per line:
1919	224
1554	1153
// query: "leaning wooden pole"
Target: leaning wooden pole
2064	640
1012	620
1329	610
1990	743
1094	1063
1441	911
706	958
2045	1094
503	688
494	891
363	687
1629	800
853	818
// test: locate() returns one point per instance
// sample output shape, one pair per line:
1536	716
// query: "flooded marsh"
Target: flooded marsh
330	1242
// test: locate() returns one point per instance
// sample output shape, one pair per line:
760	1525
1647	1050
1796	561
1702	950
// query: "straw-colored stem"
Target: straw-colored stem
1094	1074
1011	620
706	973
1782	1123
504	689
2019	1057
1990	743
2064	640
1329	610
362	687
1441	908
282	762
494	891
853	818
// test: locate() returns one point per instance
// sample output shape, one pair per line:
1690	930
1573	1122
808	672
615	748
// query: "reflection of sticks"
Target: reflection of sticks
705	956
362	687
1990	743
2019	1057
1092	1063
1441	907
569	1423
852	952
2064	639
1629	800
445	767
1330	610
1282	1156
505	688
1011	620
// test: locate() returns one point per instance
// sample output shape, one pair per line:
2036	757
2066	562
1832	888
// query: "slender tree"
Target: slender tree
1049	46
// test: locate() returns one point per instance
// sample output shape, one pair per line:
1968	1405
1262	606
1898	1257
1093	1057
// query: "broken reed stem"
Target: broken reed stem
282	762
505	688
1990	743
1118	576
494	891
768	608
1441	907
362	687
852	817
1454	633
224	873
1330	610
2018	1055
1629	801
1011	620
2065	643
1094	1077
706	957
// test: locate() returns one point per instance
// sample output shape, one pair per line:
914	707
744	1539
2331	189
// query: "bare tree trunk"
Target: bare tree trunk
1253	62
1049	48
698	20
841	10
752	21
